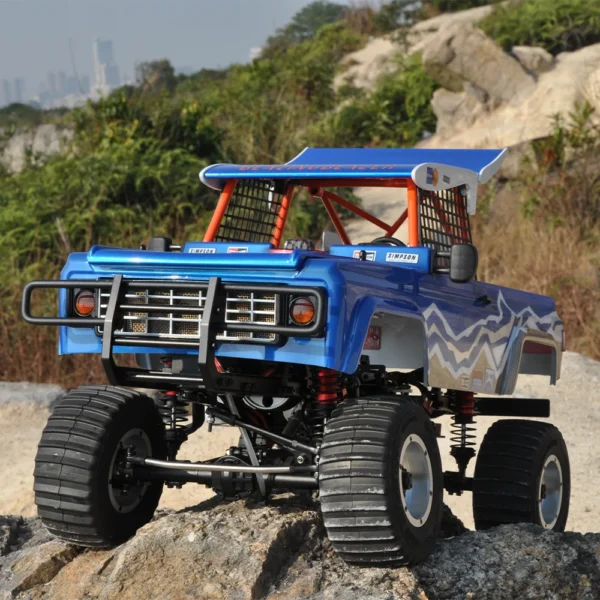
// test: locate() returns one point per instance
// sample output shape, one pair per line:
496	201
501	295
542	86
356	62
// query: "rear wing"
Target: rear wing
441	191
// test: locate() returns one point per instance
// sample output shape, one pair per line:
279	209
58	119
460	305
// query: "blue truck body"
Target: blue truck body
466	344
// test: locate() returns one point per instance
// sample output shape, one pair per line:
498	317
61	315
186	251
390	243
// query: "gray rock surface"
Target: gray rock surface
34	144
462	58
533	58
43	395
279	551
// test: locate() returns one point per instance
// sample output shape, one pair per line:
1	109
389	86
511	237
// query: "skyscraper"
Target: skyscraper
7	91
51	83
106	72
19	89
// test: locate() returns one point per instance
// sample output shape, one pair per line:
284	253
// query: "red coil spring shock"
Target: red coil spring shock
462	432
328	392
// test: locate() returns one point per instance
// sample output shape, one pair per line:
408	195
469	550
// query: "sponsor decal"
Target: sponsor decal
232	249
368	254
433	176
202	251
373	339
402	257
490	380
477	381
446	179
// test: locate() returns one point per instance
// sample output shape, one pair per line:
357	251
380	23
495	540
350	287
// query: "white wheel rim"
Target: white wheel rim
416	480
126	501
550	492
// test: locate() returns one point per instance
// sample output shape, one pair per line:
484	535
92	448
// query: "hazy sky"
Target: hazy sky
34	34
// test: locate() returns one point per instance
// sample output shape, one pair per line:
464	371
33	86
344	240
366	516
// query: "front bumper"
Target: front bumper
211	320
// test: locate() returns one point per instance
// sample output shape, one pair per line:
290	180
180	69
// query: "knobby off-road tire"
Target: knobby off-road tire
522	475
372	516
75	464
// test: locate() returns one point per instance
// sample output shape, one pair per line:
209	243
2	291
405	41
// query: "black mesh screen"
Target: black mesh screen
443	219
252	213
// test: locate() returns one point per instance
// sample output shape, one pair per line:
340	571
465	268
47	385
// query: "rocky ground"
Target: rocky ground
238	551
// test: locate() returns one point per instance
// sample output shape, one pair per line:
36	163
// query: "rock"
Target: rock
514	561
42	394
461	54
9	530
39	142
574	77
424	32
239	551
533	58
454	110
363	67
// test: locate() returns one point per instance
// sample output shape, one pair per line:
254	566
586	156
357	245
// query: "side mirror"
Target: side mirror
464	259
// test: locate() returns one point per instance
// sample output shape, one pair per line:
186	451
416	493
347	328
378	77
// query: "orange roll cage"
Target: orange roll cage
316	189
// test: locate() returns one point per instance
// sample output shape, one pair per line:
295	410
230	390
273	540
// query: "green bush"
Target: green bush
556	25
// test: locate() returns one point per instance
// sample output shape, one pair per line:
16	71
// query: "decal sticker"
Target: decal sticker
373	339
484	340
446	179
477	381
433	176
368	254
202	251
464	381
232	249
402	257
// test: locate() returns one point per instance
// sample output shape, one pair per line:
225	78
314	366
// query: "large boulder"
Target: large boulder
533	58
463	59
240	551
574	77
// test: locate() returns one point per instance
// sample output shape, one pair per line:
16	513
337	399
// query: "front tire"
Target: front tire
77	478
380	481
522	475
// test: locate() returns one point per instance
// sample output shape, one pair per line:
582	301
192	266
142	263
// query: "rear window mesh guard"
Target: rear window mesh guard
443	219
251	214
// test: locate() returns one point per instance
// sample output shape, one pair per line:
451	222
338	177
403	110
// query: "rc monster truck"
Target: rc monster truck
334	363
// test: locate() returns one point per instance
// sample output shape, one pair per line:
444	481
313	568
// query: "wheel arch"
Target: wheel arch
530	352
401	337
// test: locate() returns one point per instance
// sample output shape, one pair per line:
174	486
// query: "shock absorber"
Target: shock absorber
173	412
462	432
328	391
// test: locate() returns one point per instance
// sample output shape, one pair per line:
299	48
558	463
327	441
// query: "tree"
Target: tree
156	75
303	26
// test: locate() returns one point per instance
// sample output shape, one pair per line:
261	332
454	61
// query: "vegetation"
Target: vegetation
542	232
23	115
556	25
131	171
454	5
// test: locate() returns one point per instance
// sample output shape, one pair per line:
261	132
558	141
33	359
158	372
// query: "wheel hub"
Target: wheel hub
550	492
126	495
416	480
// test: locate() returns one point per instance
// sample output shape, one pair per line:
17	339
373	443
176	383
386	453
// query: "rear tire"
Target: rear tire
78	460
374	515
522	475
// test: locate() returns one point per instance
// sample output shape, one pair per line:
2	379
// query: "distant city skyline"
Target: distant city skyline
39	37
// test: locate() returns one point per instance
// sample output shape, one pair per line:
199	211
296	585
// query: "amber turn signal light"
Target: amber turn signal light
302	311
85	302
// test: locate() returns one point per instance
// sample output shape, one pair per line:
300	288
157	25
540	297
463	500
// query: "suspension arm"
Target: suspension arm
279	439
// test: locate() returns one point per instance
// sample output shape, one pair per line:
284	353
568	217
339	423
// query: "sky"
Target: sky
35	34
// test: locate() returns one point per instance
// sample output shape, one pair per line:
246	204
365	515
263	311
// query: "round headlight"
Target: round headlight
302	311
85	302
